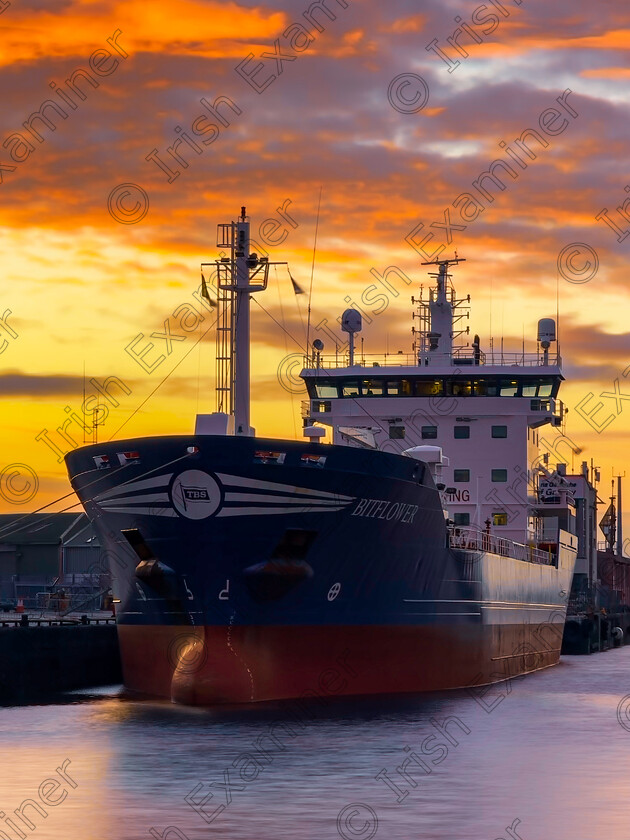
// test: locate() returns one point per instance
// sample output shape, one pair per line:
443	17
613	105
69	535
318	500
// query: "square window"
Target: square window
499	475
499	431
461	519
397	432
461	432
461	475
429	432
499	517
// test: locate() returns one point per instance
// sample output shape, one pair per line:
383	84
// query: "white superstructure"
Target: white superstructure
483	410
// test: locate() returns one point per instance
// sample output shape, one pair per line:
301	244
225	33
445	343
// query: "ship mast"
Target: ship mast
241	326
438	314
238	276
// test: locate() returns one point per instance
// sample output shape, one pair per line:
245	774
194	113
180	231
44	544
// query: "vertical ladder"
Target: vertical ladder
225	349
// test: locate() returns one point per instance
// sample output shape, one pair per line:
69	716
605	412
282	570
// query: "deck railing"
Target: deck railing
473	539
456	359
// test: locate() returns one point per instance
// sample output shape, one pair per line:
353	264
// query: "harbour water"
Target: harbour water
545	756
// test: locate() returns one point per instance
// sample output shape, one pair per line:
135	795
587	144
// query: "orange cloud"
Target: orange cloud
210	29
607	73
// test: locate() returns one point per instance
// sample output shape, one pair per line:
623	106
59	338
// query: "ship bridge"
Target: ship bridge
481	411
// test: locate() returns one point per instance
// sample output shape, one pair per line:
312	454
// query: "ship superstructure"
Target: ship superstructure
413	553
477	415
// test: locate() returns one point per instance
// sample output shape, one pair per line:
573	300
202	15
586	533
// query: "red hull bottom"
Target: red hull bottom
217	664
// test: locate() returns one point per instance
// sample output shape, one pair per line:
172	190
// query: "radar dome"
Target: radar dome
546	331
351	321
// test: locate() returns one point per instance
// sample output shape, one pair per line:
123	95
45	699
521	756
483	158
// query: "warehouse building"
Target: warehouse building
50	560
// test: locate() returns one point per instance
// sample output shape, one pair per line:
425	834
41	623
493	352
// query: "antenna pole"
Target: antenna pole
83	406
619	522
619	515
558	317
241	326
310	288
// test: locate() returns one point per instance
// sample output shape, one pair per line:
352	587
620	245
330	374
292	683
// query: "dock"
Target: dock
43	654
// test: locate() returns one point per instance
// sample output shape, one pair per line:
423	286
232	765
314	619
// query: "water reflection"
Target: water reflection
547	760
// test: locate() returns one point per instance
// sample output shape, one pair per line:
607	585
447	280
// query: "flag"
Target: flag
297	289
607	521
205	293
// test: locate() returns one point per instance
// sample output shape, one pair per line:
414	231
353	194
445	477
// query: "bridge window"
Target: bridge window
499	475
460	476
461	432
499	431
429	388
461	519
461	387
509	388
545	389
428	432
350	389
529	389
372	387
326	389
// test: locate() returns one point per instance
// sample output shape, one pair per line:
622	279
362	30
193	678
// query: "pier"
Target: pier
41	655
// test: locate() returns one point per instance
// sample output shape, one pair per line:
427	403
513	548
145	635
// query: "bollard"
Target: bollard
24	620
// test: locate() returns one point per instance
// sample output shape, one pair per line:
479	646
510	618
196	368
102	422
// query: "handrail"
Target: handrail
457	359
472	539
26	621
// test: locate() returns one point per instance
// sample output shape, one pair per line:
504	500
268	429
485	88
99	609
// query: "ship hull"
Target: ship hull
210	665
251	570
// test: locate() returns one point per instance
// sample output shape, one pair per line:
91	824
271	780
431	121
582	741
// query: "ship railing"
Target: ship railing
474	539
457	359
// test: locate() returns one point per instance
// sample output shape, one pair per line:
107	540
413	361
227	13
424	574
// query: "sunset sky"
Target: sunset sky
350	101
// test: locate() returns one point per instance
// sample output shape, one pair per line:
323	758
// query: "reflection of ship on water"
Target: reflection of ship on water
415	548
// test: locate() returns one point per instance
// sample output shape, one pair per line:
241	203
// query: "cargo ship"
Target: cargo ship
412	552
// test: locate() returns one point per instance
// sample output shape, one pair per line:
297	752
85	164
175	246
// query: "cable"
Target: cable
310	290
292	337
159	385
4	532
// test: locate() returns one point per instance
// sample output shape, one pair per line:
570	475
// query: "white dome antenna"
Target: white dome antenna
351	323
546	334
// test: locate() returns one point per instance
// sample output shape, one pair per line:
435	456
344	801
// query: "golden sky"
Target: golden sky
393	110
